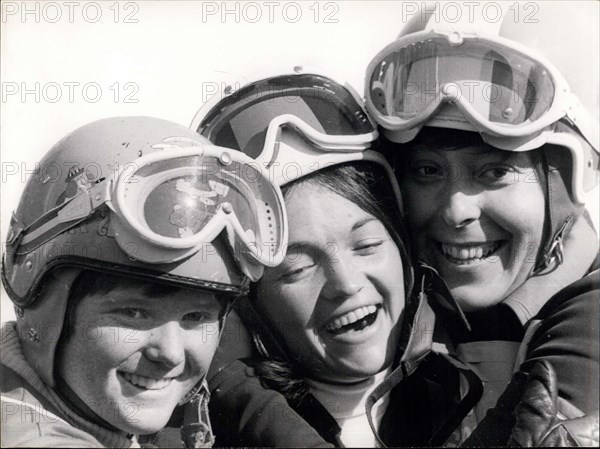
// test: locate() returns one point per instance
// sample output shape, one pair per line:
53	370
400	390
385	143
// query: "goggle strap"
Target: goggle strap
580	119
63	217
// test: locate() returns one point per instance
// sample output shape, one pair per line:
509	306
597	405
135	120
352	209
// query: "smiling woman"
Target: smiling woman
494	194
337	300
483	217
113	333
128	359
479	217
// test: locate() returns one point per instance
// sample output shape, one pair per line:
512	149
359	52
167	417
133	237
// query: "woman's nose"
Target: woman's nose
460	208
343	279
166	345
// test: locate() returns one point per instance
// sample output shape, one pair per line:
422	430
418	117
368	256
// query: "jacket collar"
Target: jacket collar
416	343
319	418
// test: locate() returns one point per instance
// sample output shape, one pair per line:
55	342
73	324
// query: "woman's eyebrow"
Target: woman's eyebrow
494	154
306	246
362	222
302	246
121	298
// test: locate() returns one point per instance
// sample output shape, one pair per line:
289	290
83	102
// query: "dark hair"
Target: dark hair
367	185
448	140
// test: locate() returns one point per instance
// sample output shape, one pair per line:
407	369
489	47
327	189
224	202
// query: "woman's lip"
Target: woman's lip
146	383
350	317
357	333
469	253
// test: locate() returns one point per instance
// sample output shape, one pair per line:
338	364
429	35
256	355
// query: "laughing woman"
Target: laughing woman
335	303
339	329
494	191
485	234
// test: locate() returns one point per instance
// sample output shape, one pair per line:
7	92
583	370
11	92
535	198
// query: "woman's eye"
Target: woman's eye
368	247
201	317
498	174
427	171
296	272
131	312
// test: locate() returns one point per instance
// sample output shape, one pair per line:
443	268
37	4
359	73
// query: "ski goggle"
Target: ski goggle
171	203
499	87
325	112
295	125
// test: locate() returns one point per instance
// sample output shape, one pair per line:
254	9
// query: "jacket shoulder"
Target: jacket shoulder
28	421
243	412
566	334
27	424
581	294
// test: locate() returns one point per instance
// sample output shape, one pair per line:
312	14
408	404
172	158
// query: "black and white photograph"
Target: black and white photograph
300	223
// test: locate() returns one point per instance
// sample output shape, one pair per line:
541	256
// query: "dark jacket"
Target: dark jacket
424	406
425	403
566	333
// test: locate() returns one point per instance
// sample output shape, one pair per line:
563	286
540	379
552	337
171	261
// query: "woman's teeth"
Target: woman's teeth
352	318
147	382
469	254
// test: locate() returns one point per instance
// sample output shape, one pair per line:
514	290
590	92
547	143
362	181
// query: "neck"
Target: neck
347	404
346	400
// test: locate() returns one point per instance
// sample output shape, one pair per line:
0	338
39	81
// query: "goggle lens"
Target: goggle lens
184	201
503	86
241	120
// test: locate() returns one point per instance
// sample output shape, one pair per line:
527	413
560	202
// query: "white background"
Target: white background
172	54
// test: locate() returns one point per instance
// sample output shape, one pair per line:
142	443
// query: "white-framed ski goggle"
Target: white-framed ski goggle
328	113
167	205
500	88
512	96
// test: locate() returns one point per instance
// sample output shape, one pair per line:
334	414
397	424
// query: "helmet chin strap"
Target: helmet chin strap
561	214
196	430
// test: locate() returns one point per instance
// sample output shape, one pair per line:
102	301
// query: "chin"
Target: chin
369	368
145	424
472	300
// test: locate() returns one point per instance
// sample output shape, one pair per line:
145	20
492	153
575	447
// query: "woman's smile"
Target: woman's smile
469	254
354	320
